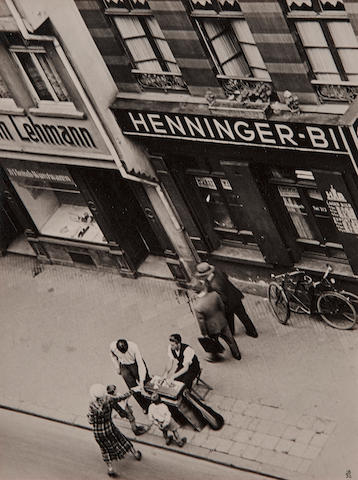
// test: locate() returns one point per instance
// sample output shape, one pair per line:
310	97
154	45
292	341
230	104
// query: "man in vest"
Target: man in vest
182	360
129	363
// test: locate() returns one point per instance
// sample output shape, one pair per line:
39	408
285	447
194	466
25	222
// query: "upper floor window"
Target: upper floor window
329	41
217	5
142	36
232	47
40	74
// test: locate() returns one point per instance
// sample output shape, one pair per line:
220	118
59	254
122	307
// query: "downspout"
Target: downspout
30	36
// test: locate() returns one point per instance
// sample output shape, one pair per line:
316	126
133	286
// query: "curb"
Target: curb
153	444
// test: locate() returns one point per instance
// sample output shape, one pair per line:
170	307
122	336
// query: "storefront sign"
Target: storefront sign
49	135
342	212
205	182
233	131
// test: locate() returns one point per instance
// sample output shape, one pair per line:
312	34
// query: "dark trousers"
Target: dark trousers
242	315
130	375
189	376
226	335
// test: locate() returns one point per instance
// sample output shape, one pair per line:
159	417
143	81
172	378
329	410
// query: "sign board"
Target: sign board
342	212
50	135
262	133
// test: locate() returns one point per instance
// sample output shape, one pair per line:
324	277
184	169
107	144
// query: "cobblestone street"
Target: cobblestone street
289	404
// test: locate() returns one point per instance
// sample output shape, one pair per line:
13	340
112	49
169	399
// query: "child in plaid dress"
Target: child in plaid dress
160	415
113	444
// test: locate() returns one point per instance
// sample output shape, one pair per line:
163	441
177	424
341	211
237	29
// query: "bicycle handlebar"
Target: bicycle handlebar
328	270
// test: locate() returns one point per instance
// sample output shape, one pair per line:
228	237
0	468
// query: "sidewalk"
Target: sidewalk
289	405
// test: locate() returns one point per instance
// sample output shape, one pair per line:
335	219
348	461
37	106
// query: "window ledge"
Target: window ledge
56	110
9	107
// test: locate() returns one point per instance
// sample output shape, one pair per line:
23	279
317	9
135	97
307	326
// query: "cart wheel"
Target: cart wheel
279	302
336	310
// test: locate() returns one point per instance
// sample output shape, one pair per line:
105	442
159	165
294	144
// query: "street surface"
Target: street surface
35	449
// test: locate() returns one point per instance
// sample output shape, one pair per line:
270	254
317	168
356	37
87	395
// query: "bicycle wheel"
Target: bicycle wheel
279	302
336	310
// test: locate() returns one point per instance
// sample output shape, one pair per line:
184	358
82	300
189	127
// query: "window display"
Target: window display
54	202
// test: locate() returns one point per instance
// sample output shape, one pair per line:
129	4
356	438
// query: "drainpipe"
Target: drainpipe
30	36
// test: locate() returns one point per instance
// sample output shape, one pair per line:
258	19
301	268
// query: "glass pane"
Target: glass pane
4	91
349	59
56	207
343	34
311	34
218	212
212	28
292	201
321	60
34	76
253	56
53	77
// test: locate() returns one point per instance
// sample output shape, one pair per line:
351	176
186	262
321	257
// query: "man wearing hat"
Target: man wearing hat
230	295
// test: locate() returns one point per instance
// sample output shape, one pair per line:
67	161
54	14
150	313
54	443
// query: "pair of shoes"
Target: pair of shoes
168	440
237	357
138	455
112	473
213	359
182	442
252	333
145	410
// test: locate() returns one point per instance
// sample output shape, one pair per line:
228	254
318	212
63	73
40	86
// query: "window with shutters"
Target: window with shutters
154	64
330	46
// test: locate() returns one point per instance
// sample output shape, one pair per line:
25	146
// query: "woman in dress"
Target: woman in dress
113	444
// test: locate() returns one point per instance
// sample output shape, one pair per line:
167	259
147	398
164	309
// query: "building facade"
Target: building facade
247	113
73	190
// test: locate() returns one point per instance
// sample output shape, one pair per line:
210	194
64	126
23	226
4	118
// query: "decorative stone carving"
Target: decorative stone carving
247	91
338	93
291	101
163	80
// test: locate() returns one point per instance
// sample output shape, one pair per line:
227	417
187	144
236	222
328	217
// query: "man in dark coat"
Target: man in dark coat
230	295
210	312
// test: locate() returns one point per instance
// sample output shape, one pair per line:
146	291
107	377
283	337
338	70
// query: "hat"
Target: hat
204	269
97	391
111	389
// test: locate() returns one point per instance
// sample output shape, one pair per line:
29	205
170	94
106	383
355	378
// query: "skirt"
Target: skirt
113	444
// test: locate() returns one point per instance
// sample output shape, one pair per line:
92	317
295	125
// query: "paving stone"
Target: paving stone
291	433
243	436
305	436
228	432
210	443
297	449
237	420
257	439
311	452
252	410
304	466
265	456
238	448
277	429
278	415
319	439
227	403
253	424
306	421
239	406
247	419
269	441
251	452
292	418
267	412
279	459
283	445
293	463
224	445
264	426
198	439
323	426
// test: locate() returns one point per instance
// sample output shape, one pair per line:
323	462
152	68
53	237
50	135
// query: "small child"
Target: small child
160	415
126	412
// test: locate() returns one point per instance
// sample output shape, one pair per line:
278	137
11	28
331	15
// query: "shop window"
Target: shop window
306	208
54	202
40	74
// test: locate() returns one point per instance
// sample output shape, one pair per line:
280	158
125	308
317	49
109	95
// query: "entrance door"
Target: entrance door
9	226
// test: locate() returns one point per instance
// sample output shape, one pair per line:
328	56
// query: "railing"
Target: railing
160	80
335	92
247	90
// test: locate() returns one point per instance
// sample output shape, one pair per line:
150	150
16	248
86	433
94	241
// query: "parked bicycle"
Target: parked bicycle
297	292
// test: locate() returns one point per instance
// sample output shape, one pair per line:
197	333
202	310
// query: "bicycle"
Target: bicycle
297	292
